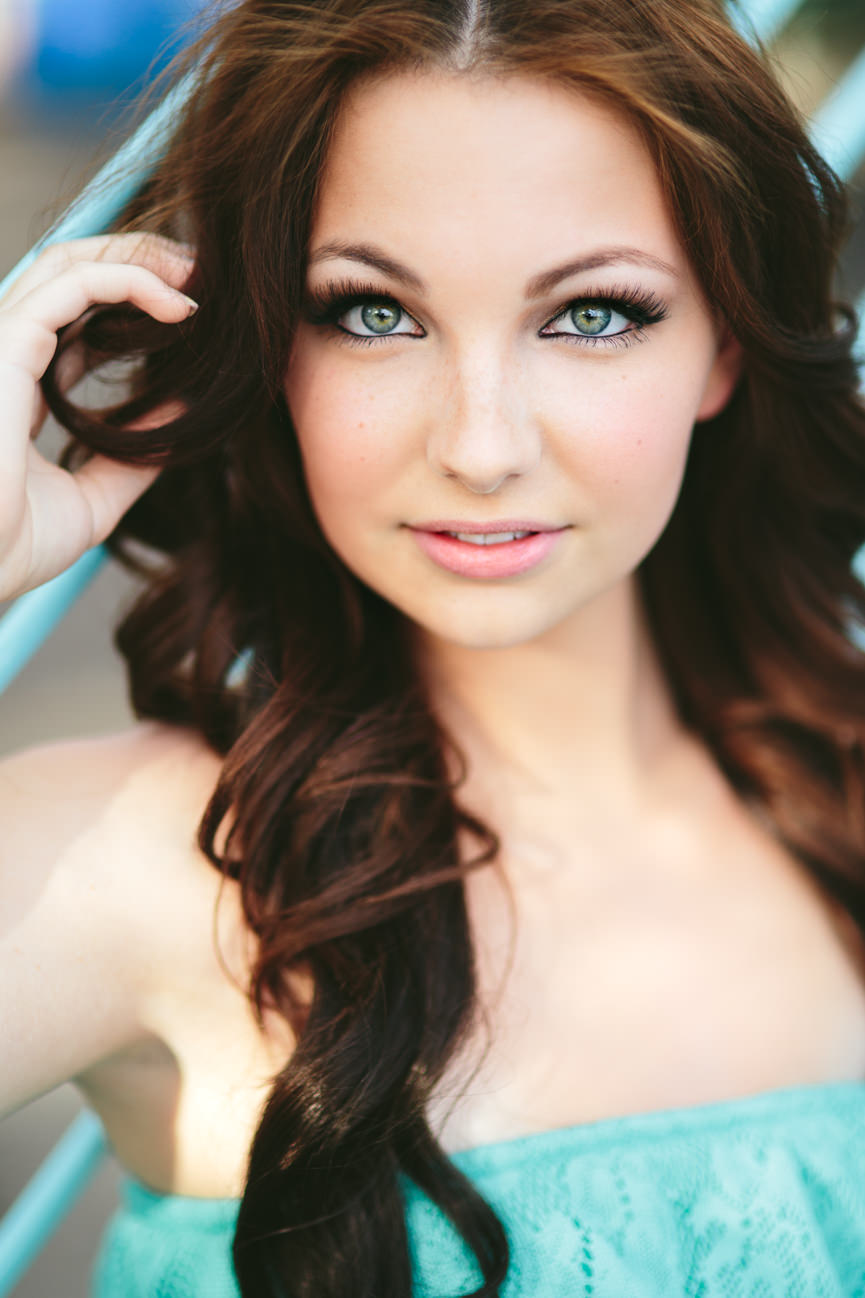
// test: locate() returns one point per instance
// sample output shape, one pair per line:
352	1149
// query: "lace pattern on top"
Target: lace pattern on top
762	1197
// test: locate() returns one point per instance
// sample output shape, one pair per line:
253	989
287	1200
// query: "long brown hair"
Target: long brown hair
337	787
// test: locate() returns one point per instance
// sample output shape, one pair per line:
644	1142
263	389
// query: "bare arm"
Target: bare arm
65	997
98	878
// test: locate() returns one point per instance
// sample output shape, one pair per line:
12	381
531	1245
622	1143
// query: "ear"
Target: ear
722	378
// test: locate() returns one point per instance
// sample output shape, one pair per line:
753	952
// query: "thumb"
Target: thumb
110	487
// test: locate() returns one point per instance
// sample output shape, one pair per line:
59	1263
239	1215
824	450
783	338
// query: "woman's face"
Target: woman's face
517	345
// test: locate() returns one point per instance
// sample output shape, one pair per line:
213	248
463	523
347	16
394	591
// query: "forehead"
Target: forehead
476	168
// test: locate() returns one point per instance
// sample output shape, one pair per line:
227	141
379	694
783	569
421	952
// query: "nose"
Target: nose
484	433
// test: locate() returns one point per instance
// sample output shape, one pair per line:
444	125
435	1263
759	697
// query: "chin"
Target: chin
476	630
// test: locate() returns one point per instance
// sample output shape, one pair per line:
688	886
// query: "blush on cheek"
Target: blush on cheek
347	453
349	466
643	453
631	479
650	492
347	426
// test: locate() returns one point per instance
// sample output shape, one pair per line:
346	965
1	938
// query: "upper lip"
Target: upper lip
491	527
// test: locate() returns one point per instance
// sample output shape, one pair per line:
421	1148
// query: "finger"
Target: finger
18	415
164	256
136	246
28	336
27	344
169	260
71	367
143	244
110	488
61	514
69	371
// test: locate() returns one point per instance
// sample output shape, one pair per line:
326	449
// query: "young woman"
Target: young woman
479	906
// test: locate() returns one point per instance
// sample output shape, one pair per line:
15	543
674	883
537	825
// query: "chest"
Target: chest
610	982
653	990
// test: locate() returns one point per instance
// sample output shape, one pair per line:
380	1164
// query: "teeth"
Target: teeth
488	538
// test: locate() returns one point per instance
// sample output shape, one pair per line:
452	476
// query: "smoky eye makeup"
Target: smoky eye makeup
613	316
324	307
592	316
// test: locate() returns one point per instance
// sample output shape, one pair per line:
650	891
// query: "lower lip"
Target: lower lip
506	559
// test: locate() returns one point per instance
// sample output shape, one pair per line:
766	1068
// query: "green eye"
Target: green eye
380	317
369	317
591	317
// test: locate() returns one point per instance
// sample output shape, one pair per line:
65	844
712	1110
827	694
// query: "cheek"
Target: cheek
348	428
626	442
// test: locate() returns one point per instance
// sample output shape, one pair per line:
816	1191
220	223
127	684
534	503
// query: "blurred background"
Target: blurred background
69	70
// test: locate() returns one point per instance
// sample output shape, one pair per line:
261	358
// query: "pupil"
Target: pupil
380	318
591	319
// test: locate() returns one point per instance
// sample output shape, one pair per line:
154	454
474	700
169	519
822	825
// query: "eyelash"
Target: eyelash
323	308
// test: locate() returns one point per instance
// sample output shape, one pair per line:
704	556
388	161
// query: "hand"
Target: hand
48	516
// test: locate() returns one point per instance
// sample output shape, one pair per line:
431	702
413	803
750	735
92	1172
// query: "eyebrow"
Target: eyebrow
370	255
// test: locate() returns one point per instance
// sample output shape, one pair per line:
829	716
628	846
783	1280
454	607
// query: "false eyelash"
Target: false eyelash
324	306
641	306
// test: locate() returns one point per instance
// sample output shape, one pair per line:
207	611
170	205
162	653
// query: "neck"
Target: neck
585	708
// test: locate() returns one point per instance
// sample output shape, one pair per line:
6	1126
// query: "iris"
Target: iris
380	317
591	318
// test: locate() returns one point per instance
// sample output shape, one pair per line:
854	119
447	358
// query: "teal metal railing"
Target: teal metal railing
33	617
48	1196
838	129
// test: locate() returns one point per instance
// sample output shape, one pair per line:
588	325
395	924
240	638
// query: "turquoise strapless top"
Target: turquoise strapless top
762	1197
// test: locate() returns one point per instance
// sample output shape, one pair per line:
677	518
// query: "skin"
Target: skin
632	868
668	951
478	185
49	517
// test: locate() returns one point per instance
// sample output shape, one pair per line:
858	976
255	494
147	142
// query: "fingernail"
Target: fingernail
193	305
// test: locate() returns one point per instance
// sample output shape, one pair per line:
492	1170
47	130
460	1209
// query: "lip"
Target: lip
506	559
491	526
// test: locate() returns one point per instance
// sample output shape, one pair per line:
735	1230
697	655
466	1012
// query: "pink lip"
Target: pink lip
490	525
504	560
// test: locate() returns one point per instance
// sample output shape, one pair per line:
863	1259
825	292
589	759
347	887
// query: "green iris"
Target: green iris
592	318
380	318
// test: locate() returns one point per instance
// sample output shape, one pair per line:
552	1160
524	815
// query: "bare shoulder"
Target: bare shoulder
118	813
100	875
139	779
95	769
